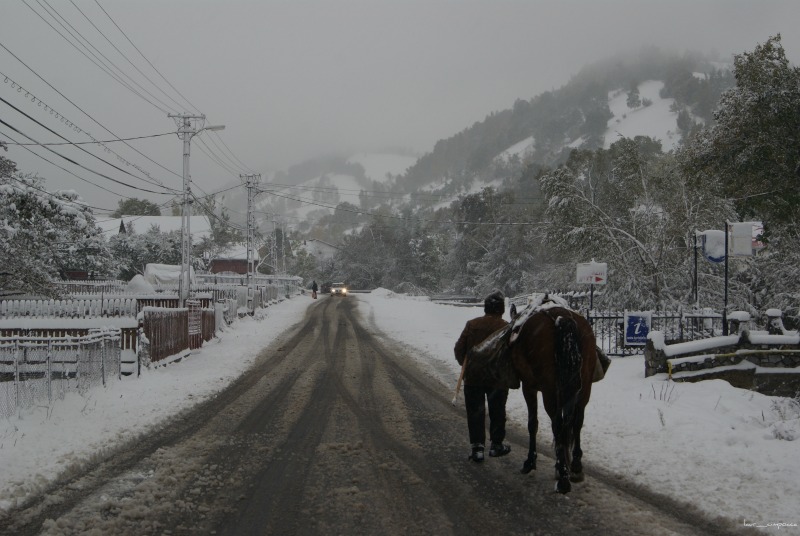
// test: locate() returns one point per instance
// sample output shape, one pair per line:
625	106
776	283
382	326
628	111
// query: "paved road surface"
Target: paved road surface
336	431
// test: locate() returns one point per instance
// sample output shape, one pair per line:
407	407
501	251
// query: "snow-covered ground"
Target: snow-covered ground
520	149
730	452
656	120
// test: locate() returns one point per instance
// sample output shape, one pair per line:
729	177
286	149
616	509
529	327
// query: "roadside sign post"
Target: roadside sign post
591	273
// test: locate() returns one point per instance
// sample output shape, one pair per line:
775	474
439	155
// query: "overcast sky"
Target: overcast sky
299	78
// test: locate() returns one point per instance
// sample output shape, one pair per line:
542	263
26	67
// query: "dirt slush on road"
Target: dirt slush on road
336	430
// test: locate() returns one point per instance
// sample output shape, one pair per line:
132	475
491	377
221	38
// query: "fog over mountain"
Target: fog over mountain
296	80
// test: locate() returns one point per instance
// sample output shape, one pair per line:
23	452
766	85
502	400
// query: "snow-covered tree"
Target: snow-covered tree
133	251
43	234
630	207
752	148
634	100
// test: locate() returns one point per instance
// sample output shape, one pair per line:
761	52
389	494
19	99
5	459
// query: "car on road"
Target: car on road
339	289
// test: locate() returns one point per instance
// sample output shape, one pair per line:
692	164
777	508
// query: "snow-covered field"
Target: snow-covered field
656	120
730	452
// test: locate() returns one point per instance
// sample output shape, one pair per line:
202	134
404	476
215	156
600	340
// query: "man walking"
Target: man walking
479	390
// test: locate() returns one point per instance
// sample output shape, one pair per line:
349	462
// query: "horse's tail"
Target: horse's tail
568	380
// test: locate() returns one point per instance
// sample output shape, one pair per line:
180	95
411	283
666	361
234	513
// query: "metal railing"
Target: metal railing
37	369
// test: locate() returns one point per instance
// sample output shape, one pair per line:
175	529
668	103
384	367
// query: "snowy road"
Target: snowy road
335	431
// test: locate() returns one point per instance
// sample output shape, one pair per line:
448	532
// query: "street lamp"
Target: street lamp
188	127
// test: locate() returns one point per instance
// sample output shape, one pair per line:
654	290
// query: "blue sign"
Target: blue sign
637	327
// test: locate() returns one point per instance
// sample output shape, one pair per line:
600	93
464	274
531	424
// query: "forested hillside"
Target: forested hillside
521	223
577	111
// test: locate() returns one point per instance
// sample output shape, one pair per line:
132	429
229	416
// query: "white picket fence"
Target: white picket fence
81	308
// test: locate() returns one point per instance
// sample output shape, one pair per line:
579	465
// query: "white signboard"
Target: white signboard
744	238
592	273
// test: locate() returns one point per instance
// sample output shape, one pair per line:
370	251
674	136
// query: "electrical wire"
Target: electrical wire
81	148
145	58
66	170
82	166
386	195
222	154
78	129
123	55
84	112
98	61
219	136
214	158
98	142
216	134
391	216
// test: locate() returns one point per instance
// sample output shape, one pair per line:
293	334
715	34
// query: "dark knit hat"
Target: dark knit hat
494	303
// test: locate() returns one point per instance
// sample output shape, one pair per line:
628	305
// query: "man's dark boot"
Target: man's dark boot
499	449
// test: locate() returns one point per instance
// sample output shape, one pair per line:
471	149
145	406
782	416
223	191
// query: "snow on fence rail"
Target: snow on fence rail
95	286
80	308
33	369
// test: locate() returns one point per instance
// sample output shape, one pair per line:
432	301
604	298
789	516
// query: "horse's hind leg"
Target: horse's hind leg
533	426
576	467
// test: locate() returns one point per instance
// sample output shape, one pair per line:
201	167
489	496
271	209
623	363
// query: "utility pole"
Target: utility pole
252	185
274	249
188	126
283	248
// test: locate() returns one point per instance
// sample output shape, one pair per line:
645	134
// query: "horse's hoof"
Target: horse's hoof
563	485
576	477
528	466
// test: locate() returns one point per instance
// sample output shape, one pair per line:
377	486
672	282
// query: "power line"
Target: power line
222	151
84	112
63	138
214	158
76	128
105	68
236	158
82	166
218	135
145	58
98	142
381	194
114	65
68	171
391	216
124	56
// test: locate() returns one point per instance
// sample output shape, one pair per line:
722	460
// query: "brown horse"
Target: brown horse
553	350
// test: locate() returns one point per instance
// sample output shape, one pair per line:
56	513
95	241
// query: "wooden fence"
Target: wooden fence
166	330
169	332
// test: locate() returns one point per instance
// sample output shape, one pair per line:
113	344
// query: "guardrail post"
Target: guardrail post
103	358
16	375
50	371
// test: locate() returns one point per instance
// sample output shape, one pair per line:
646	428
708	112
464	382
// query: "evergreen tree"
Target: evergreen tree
634	100
136	207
